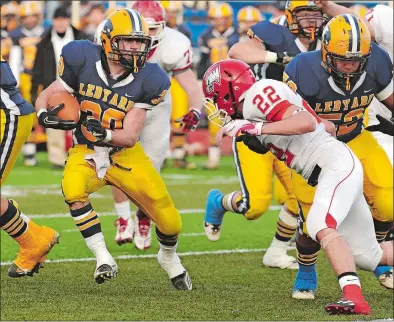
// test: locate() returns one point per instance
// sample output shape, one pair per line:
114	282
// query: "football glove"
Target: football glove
96	129
285	58
49	119
251	129
385	126
189	121
252	143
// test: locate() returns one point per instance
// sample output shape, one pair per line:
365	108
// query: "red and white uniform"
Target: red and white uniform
381	20
339	201
174	55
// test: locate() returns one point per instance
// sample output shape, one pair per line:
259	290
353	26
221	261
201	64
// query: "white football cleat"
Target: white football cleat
178	275
142	233
386	279
124	230
303	295
277	257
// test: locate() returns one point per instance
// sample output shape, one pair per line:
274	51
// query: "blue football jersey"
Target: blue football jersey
83	71
306	75
11	98
278	39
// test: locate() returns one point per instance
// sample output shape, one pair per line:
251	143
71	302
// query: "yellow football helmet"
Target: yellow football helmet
345	38
306	26
126	24
279	20
247	17
221	16
29	8
359	10
174	12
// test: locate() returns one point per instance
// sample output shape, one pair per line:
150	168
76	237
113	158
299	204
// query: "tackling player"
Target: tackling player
276	119
115	88
269	48
339	82
16	122
173	52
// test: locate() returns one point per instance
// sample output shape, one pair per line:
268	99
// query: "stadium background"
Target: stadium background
192	15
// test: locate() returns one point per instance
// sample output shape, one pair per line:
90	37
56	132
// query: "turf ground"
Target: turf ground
229	281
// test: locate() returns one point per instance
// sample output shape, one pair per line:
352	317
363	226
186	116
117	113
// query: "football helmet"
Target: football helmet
345	38
313	25
247	17
174	12
280	20
224	85
125	24
154	15
221	16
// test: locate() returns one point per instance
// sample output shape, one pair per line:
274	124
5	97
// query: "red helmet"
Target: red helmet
154	15
224	85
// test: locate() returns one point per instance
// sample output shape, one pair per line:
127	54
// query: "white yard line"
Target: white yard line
213	252
107	214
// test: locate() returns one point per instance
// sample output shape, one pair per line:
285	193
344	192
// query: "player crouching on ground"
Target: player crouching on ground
115	88
276	119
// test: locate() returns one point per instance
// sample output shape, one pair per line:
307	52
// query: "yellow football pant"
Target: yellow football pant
14	131
378	179
255	173
133	173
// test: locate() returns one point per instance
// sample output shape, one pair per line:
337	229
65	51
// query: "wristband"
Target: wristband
41	110
270	57
108	137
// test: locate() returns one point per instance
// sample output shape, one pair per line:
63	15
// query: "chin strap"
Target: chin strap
348	83
135	64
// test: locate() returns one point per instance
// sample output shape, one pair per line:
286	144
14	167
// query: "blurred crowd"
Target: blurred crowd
33	34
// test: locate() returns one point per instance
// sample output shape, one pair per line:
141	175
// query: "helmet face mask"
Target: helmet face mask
120	33
224	85
346	47
130	58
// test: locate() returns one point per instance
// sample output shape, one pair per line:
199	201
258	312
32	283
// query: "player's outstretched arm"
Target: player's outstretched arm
333	9
295	121
189	83
126	137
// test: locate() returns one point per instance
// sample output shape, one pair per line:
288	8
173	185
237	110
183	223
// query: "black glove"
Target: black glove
96	129
385	126
49	119
284	58
253	143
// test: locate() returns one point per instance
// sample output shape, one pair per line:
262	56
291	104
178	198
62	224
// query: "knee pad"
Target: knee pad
383	202
257	207
369	262
331	235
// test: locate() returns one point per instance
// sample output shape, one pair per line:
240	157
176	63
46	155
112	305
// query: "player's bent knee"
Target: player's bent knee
388	253
170	225
327	236
384	203
369	261
257	208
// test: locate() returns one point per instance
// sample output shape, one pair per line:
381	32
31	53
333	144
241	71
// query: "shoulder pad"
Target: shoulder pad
175	44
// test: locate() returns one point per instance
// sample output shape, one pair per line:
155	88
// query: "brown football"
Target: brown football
71	110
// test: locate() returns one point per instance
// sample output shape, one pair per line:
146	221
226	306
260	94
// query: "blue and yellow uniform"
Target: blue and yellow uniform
83	71
16	120
345	106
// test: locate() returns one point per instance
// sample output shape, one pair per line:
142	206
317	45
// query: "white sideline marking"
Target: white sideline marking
214	252
104	230
108	214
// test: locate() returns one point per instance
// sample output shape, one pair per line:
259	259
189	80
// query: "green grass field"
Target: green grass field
229	280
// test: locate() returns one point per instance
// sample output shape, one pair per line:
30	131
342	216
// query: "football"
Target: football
71	110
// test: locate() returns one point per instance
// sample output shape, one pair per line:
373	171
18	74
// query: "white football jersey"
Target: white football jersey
174	52
266	101
381	20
